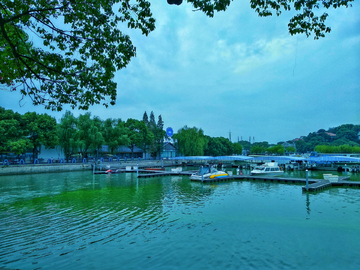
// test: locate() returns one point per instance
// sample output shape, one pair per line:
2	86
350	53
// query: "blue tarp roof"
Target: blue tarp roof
213	158
233	158
279	158
333	159
275	158
194	158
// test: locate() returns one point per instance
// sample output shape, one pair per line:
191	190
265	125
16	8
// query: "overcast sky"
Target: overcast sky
237	73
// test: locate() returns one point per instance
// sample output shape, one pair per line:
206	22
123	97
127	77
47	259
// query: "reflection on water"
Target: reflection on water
308	203
80	220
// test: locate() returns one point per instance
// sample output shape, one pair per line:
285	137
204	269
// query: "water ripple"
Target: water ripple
160	224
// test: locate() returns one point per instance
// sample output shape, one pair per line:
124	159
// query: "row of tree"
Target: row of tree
338	149
265	148
83	135
193	142
341	139
347	134
23	133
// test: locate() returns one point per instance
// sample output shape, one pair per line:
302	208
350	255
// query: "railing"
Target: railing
50	161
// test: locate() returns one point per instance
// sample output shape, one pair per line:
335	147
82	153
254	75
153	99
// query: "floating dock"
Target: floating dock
314	185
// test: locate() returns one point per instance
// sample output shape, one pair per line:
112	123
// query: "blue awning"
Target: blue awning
194	158
213	158
334	159
269	158
233	158
279	158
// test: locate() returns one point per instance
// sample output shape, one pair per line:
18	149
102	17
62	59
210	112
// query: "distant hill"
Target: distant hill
347	134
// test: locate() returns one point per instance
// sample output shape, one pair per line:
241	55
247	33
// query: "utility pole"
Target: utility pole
230	135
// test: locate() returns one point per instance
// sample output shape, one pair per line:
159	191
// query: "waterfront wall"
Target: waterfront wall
68	167
42	168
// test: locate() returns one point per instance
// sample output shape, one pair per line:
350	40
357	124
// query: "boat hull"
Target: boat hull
331	177
197	177
267	173
324	168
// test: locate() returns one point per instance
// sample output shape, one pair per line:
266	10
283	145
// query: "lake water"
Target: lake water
84	221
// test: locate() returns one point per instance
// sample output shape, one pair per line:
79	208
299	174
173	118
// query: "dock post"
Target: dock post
345	171
307	180
137	169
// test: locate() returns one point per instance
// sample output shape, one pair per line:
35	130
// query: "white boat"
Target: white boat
177	170
331	177
270	168
208	172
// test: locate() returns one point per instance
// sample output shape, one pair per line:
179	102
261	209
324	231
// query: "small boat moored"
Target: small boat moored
155	169
207	172
177	170
331	177
270	168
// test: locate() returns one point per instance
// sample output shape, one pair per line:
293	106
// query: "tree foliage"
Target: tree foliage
88	134
218	146
67	134
138	134
257	149
309	18
115	134
276	150
159	135
40	130
347	134
237	148
345	148
155	145
85	135
290	149
191	141
82	45
13	133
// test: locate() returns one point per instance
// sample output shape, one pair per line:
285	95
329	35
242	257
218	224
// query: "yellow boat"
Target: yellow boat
207	172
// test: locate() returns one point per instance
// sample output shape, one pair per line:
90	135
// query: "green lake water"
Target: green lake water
83	221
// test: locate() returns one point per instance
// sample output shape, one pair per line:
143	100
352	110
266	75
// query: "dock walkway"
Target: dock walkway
314	185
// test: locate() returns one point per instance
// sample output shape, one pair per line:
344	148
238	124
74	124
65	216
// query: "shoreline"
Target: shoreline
68	167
